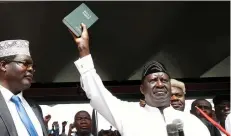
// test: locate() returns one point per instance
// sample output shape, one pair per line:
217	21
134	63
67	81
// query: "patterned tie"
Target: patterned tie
23	115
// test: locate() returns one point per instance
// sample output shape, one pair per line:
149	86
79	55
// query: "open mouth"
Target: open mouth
84	127
176	105
159	93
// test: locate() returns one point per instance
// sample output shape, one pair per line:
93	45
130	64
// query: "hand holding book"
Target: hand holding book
82	42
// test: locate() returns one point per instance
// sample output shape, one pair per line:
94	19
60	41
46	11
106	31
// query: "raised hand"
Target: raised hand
82	41
64	123
47	119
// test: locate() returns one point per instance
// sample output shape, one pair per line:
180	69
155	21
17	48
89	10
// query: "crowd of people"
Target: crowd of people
161	112
164	98
82	124
221	104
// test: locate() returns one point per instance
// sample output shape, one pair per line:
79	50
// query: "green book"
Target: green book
81	14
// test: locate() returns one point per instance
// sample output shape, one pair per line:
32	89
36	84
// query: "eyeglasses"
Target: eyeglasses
25	65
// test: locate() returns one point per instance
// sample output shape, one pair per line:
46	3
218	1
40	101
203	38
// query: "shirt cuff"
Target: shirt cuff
84	64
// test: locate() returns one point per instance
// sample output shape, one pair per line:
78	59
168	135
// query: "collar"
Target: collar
154	109
89	135
7	94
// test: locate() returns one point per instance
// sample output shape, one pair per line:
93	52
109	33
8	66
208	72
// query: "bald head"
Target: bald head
204	105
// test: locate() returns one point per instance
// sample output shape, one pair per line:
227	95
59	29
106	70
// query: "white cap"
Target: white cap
14	47
179	84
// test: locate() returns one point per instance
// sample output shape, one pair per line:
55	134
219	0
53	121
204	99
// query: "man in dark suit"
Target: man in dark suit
18	117
207	108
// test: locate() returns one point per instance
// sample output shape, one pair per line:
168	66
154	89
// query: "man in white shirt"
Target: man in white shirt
228	124
18	117
131	119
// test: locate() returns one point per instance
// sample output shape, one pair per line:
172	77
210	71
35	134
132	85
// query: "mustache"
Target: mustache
176	101
160	88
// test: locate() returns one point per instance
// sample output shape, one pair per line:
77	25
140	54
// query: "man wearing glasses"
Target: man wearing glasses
19	117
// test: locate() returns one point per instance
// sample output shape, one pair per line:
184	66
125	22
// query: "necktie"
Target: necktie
23	115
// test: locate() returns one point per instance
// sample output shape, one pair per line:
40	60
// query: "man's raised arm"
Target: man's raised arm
100	98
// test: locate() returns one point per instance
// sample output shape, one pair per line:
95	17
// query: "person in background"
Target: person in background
156	88
222	108
142	103
64	123
47	119
82	123
109	132
55	128
18	116
178	94
70	130
205	106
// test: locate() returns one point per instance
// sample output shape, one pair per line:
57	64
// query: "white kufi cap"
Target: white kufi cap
14	47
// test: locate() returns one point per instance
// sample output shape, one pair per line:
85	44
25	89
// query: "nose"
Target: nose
30	69
174	98
83	121
159	83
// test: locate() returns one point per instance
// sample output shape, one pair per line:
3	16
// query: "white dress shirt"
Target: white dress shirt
77	135
129	119
228	123
21	129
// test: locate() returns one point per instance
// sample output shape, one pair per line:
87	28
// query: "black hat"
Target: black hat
153	67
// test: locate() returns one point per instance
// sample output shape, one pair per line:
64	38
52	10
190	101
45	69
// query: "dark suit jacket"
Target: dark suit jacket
7	126
212	129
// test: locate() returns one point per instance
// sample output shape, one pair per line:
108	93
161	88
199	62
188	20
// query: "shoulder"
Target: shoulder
34	104
134	107
192	118
198	124
130	105
189	118
31	102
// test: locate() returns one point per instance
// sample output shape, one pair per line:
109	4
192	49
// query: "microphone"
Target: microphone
172	130
179	124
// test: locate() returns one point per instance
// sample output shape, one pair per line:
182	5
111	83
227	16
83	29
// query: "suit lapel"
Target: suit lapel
6	117
39	117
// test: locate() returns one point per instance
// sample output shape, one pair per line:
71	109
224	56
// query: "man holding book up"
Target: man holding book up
131	119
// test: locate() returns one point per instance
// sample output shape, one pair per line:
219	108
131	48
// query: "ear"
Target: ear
3	66
142	89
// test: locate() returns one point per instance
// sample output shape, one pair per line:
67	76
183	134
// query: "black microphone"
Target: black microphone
179	124
172	130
